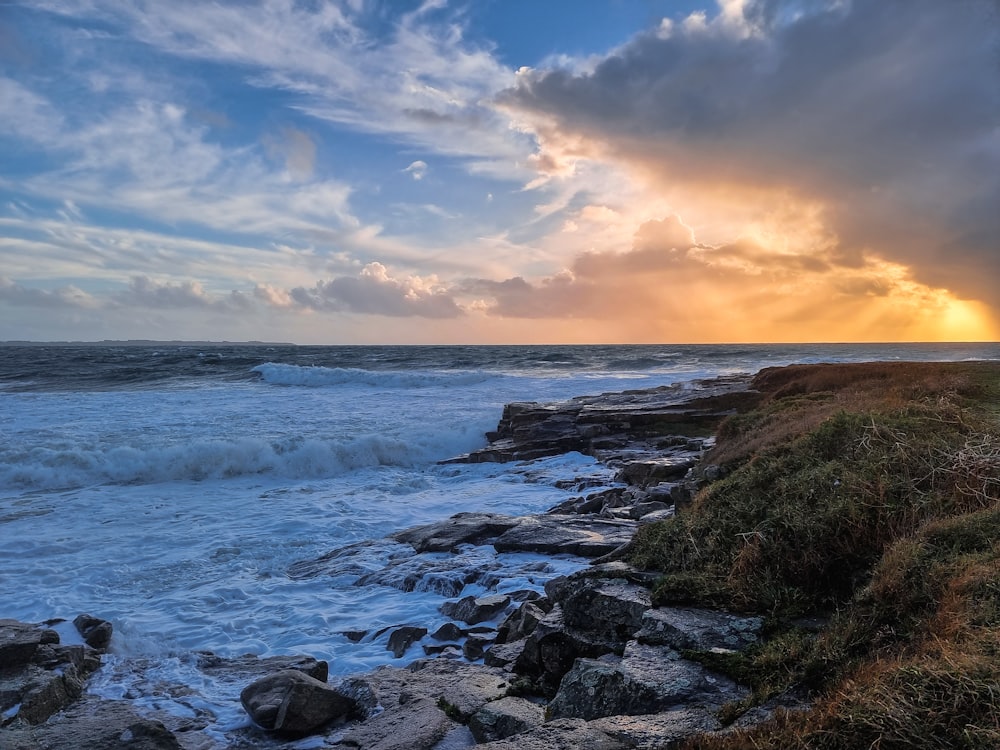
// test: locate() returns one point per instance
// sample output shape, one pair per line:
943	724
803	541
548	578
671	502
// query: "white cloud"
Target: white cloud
417	169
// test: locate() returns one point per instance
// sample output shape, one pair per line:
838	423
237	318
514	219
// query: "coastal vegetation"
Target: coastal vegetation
859	512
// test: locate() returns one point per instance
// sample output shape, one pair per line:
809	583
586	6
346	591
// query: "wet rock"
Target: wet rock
504	718
647	679
472	610
95	631
560	734
292	703
552	648
402	638
250	666
20	640
698	629
108	725
522	621
475	646
446	577
448	632
462	528
38	676
586	536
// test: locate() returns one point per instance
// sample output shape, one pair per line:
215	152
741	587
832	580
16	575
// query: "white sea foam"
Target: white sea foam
319	377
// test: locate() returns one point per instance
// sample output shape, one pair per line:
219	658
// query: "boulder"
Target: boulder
522	621
504	718
647	679
609	609
472	610
20	640
458	687
552	648
402	638
95	631
698	629
293	703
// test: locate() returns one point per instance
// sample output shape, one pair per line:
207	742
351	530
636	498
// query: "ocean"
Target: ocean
170	488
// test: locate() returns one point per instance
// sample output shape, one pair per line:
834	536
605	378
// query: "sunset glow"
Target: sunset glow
447	171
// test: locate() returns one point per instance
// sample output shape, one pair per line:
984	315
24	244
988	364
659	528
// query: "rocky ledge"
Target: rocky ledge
589	664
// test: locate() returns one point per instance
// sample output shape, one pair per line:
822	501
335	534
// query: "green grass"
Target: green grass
867	494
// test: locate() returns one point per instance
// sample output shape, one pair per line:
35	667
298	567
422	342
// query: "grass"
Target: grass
868	495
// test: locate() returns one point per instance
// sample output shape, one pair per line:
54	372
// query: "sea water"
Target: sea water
171	488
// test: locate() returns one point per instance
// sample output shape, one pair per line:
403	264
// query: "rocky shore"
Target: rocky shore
592	663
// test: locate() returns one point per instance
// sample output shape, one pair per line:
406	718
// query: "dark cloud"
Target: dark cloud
885	112
375	292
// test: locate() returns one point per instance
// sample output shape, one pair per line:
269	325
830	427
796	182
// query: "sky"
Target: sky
500	171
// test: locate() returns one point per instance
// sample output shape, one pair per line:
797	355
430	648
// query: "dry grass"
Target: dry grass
869	493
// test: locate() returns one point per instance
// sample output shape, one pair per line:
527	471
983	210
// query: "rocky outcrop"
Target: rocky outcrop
599	424
293	703
39	676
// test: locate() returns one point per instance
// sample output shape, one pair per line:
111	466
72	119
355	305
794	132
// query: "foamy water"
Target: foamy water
170	490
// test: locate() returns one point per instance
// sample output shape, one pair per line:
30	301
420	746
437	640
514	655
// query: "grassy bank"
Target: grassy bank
864	498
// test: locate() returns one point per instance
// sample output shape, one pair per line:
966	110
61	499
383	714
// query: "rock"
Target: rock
660	730
446	577
448	632
698	629
522	621
93	723
612	610
460	688
647	679
95	631
251	666
504	718
586	536
462	528
20	640
552	648
293	703
402	638
472	610
560	734
38	676
655	470
504	655
475	646
417	724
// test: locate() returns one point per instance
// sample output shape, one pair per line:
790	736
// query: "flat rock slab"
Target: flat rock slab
662	730
560	734
462	528
109	725
416	725
504	718
586	536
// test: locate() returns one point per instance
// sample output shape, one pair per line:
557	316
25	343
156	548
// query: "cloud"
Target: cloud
375	292
66	297
881	115
417	169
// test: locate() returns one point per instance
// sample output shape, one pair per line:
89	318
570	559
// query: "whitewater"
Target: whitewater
170	488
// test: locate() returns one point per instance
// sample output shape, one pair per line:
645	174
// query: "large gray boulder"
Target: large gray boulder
293	703
698	629
647	679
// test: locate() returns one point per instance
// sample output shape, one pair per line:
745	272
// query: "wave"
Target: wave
72	467
318	377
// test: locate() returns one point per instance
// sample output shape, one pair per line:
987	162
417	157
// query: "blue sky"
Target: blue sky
368	171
